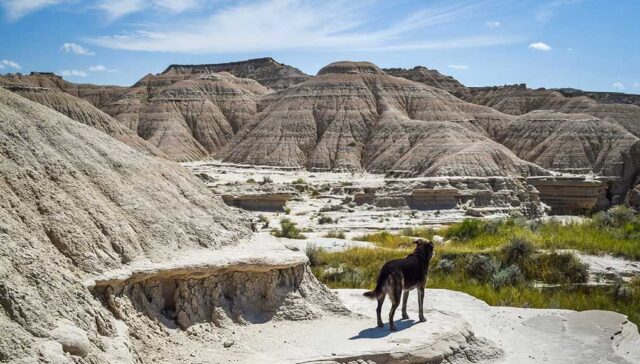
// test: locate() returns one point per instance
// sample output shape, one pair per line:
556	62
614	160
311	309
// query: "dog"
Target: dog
398	277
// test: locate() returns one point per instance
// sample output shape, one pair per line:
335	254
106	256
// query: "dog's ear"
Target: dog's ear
418	241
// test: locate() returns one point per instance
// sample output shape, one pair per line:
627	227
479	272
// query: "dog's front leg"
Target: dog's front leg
405	297
421	303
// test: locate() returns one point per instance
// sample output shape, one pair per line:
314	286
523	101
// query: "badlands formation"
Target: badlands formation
112	252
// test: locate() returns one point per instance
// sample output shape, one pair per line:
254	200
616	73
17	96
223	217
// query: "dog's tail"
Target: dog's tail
377	292
371	294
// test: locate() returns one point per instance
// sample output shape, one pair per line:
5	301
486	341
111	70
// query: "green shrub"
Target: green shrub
325	220
622	291
466	230
251	180
517	250
425	233
335	234
622	216
481	267
313	253
287	210
510	276
264	220
445	266
266	180
299	181
288	229
555	268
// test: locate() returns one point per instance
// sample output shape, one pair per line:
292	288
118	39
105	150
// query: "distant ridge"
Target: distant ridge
265	70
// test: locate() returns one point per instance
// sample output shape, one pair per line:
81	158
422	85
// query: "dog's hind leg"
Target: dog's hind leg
405	297
421	303
379	310
395	293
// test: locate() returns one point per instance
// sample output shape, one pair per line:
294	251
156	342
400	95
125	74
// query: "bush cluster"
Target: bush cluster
288	229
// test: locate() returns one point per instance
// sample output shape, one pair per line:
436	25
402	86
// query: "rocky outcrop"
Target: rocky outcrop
99	96
571	195
603	97
76	203
519	100
430	77
188	116
258	202
578	144
352	116
85	113
267	71
477	195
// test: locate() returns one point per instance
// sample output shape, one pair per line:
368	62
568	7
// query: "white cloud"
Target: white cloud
540	46
493	24
97	68
270	25
100	68
636	84
73	73
458	67
115	9
77	49
10	64
618	85
16	9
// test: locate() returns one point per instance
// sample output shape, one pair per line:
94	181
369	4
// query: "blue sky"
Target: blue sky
586	44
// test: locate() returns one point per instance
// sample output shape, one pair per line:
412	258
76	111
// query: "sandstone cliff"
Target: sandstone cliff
576	143
353	116
266	70
98	96
188	116
430	77
518	100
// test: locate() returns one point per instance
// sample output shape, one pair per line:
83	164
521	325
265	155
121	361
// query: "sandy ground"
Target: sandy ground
531	335
459	329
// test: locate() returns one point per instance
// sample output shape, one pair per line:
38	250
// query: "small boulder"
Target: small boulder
51	352
74	340
438	240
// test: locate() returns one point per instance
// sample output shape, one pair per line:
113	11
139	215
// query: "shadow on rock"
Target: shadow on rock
378	332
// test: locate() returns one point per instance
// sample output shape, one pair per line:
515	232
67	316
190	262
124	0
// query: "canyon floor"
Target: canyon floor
459	327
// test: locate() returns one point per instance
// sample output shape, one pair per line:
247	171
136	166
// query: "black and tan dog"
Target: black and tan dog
402	275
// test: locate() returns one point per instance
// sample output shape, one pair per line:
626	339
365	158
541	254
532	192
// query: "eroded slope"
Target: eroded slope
353	116
75	203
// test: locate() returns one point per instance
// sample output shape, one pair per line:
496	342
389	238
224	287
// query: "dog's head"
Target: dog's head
425	248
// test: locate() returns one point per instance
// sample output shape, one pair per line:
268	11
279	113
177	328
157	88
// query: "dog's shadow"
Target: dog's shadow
378	332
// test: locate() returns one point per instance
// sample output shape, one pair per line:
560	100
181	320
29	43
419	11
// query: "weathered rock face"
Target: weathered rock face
603	97
571	195
188	116
75	203
259	202
430	77
519	100
353	116
576	143
85	113
98	96
267	71
477	195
